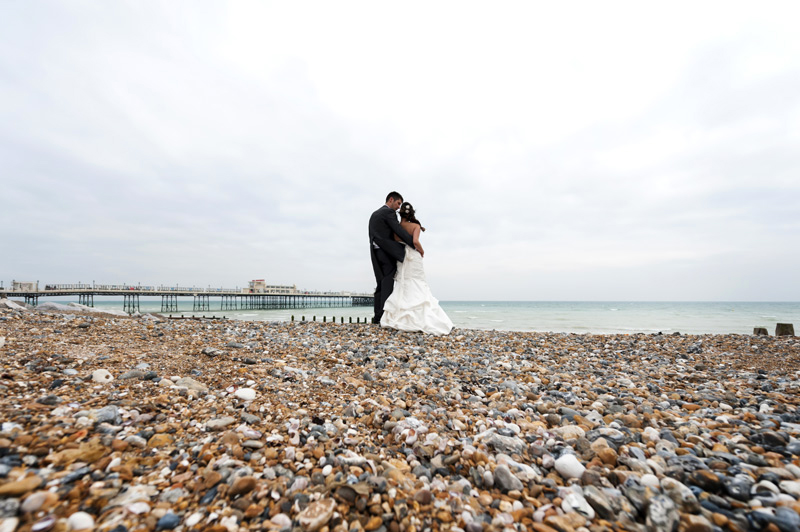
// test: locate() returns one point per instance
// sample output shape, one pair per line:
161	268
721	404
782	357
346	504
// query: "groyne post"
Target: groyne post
784	329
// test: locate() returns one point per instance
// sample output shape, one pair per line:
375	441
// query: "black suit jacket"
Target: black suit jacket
383	225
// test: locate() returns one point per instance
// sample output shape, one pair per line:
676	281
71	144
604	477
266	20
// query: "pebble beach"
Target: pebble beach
119	423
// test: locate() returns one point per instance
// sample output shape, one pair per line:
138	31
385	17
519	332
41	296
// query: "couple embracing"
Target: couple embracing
403	299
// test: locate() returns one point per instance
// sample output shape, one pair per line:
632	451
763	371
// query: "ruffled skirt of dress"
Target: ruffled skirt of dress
412	307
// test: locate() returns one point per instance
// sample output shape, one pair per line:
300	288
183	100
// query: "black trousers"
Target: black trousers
384	267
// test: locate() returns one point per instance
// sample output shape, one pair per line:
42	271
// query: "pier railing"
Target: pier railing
230	299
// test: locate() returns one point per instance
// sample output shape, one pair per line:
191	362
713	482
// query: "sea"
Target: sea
591	317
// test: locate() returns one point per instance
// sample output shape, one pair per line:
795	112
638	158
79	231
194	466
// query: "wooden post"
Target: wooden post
304	318
784	329
760	331
292	317
351	319
323	319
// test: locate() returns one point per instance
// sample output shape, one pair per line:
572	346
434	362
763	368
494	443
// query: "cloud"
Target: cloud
553	152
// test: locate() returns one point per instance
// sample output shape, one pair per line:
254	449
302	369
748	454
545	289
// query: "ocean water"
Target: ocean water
548	316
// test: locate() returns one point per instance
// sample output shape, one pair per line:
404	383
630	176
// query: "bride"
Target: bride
412	307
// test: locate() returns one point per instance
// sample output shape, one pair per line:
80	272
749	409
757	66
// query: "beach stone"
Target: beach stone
696	523
20	487
9	524
132	374
569	432
168	521
102	376
662	514
316	515
107	414
505	479
80	521
506	444
190	383
568	466
599	501
220	423
243	485
9	507
245	394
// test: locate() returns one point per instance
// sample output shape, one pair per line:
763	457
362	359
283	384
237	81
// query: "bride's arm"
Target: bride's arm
415	237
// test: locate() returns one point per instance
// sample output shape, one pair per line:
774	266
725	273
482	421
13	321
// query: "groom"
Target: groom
386	252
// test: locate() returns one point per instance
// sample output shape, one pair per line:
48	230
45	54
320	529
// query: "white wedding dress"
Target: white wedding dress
412	307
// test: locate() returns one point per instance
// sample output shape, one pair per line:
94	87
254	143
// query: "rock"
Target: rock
107	414
662	514
245	394
220	423
568	466
505	479
20	487
9	524
190	383
600	502
159	440
697	523
569	432
102	376
35	501
243	485
9	507
80	521
506	444
575	502
132	374
168	521
316	514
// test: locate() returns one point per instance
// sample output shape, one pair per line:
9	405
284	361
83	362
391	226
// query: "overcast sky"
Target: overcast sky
554	151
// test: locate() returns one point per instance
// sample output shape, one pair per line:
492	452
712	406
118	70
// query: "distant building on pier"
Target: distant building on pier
260	286
19	286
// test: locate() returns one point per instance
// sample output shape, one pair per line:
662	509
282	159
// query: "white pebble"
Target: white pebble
650	480
568	466
102	376
245	394
193	519
80	520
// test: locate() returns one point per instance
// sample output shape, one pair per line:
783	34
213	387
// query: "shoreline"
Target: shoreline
234	425
591	318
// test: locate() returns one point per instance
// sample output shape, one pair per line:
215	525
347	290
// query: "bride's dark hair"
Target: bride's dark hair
407	211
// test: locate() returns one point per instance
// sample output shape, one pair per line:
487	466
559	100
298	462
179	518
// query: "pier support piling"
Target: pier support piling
130	303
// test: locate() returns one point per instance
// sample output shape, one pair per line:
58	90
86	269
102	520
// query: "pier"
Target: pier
257	297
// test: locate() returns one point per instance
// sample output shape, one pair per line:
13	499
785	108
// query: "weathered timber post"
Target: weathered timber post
323	319
784	329
292	317
351	319
760	331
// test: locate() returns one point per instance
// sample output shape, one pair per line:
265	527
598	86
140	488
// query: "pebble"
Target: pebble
80	521
355	428
245	394
102	376
168	521
568	466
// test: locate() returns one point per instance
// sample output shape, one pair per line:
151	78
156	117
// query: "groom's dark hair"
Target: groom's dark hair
394	196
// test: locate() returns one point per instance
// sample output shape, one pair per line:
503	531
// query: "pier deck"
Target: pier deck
230	299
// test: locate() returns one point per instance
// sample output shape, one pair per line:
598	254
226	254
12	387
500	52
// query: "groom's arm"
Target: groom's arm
395	226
